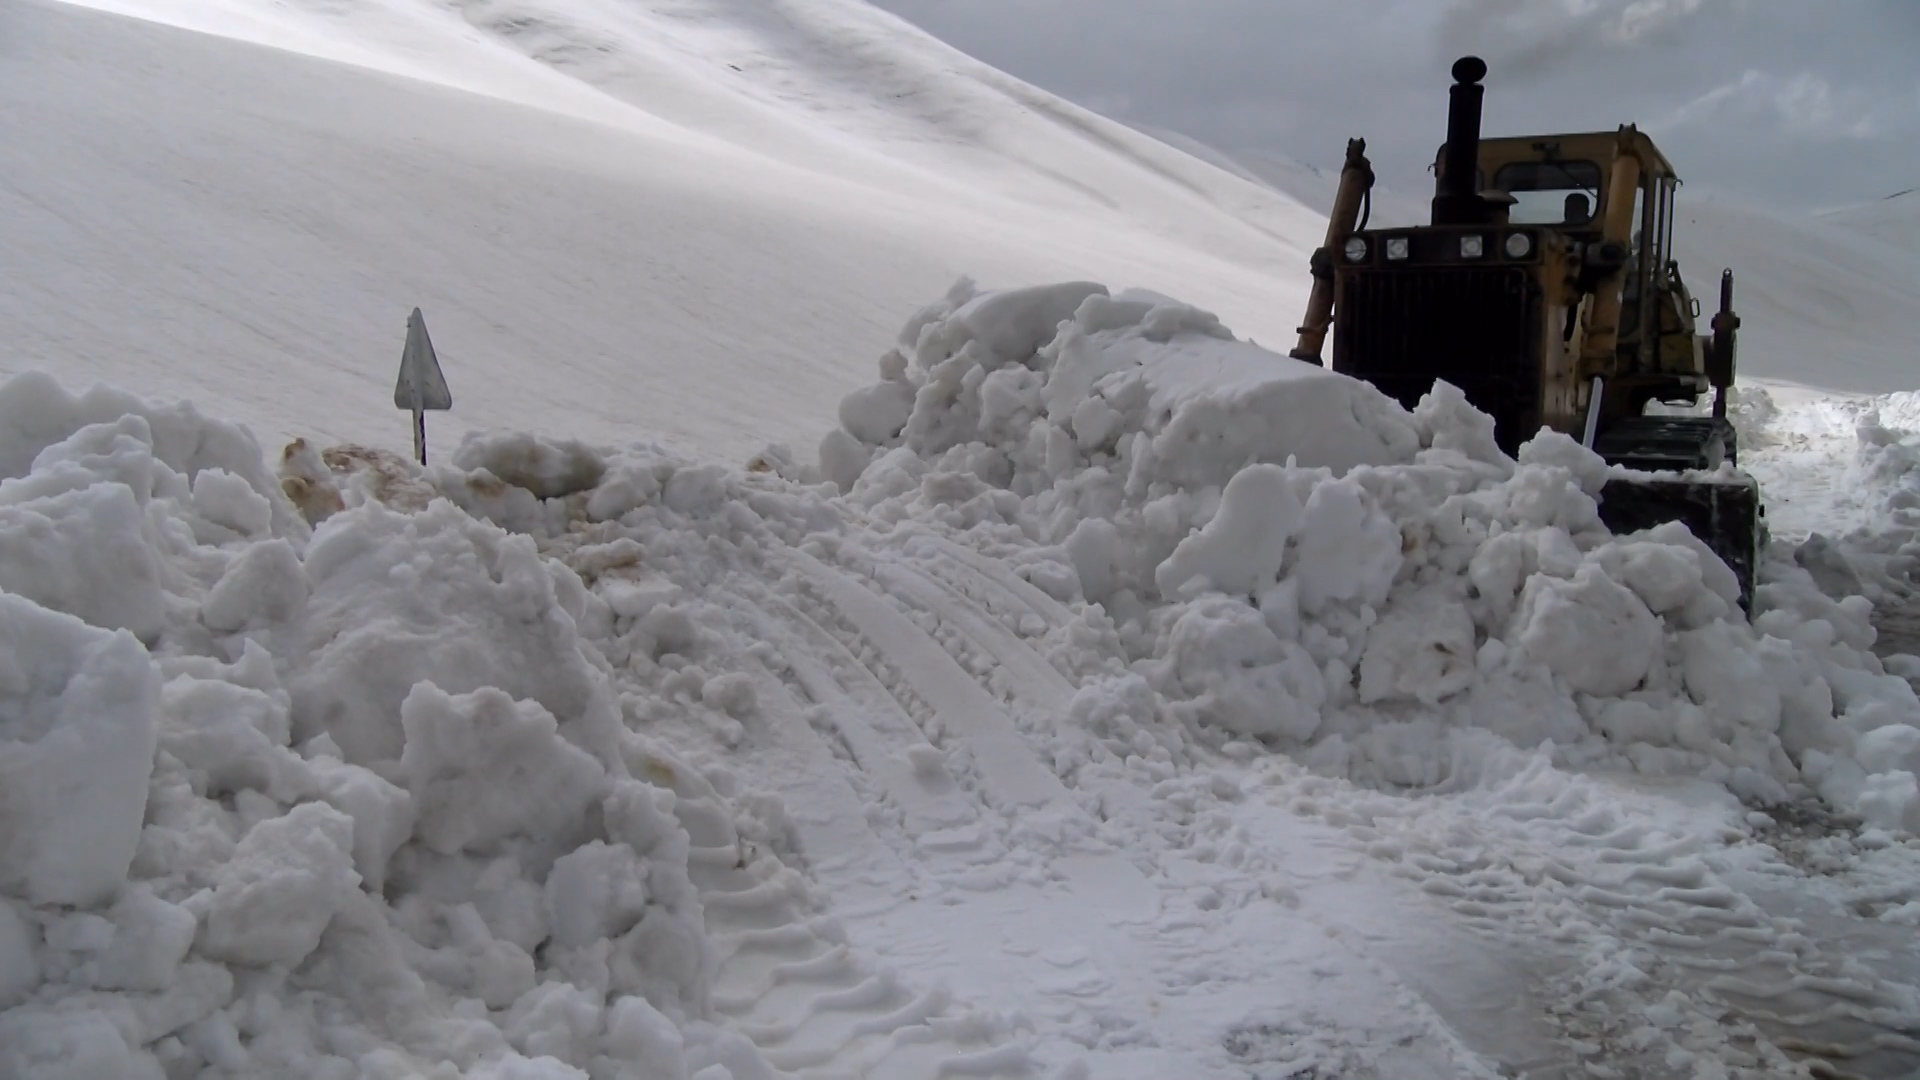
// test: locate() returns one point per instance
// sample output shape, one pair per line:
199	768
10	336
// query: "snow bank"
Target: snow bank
353	800
327	774
1287	555
1859	532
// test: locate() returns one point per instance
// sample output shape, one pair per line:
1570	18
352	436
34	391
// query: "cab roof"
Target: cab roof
1596	146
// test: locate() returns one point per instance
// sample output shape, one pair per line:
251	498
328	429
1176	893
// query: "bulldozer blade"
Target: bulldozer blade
1723	510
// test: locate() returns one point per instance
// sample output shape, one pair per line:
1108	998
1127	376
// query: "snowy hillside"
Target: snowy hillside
607	230
1108	696
1893	221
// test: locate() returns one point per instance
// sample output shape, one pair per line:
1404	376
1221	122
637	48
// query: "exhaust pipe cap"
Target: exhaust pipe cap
1469	70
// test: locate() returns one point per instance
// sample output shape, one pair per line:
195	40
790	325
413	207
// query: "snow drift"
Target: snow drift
1287	555
369	769
256	782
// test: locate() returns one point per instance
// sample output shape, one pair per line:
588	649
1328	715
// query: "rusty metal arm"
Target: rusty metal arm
1720	356
1356	181
1602	339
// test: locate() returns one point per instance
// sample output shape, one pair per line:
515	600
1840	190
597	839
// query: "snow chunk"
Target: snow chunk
1894	748
1560	622
382	813
230	502
1010	324
554	1021
595	892
401	598
629	483
120	452
549	468
1241	550
41	1043
1446	421
230	738
77	738
1228	403
1094	549
1558	449
287	878
1725	674
1240	676
876	414
84	552
37	414
264	586
732	694
1349	550
1715	574
843	459
482	767
638	1034
150	939
1421	650
1890	800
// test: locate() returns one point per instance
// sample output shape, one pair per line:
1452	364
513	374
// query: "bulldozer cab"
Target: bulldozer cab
1543	172
1566	183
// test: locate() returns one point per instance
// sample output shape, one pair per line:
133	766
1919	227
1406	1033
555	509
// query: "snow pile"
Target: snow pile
1842	477
1863	527
370	769
1286	555
354	801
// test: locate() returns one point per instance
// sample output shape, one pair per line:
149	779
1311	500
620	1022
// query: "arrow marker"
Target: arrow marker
421	385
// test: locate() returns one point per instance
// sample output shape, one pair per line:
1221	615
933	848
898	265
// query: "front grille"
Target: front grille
1478	329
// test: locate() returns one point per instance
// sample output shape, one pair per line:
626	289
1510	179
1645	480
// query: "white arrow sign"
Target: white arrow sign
421	386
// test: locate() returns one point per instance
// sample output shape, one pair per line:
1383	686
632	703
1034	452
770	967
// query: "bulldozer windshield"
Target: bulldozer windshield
1563	193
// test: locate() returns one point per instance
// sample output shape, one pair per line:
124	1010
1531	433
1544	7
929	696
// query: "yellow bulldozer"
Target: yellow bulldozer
1545	290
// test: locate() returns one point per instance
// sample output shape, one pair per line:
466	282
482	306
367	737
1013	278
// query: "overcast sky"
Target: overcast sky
1797	103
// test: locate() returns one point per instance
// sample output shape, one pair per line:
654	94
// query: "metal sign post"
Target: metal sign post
421	386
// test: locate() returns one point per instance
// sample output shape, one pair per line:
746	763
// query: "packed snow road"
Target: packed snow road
1233	918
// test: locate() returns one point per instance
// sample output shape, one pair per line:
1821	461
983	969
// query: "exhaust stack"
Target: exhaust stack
1456	199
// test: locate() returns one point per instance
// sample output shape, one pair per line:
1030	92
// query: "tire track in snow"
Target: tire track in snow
1647	910
881	738
1166	952
815	1005
1037	681
1015	590
1012	772
790	983
1663	907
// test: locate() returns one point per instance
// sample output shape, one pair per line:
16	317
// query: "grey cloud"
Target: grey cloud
1539	37
1748	96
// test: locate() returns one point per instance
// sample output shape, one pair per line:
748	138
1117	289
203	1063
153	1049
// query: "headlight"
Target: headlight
1356	249
1396	247
1518	245
1472	247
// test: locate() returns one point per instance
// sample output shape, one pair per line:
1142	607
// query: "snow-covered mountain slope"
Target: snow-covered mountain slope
833	86
632	266
1820	305
1893	221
